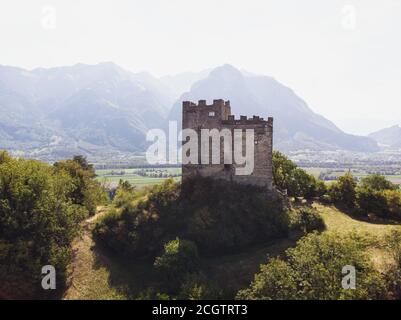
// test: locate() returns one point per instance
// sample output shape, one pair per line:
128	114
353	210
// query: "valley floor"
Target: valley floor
95	275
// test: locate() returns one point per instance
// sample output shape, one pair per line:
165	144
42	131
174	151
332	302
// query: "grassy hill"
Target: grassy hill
96	275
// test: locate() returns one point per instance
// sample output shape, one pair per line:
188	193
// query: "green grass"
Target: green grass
130	175
337	220
101	276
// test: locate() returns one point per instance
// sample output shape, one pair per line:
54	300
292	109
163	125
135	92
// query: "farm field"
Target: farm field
358	174
139	177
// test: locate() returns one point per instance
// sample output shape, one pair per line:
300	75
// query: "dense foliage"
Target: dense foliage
86	190
344	190
373	195
176	226
306	219
179	259
313	270
393	274
216	215
295	181
39	217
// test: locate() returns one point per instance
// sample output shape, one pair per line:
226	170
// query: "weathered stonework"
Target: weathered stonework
218	116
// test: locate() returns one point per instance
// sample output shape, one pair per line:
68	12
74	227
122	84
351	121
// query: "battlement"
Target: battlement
198	116
220	110
203	103
244	120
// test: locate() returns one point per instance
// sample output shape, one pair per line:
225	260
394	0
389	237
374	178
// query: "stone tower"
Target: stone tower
218	116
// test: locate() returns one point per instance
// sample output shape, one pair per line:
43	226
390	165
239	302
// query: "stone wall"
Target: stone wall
218	116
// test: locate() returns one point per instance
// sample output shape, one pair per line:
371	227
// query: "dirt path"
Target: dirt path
89	277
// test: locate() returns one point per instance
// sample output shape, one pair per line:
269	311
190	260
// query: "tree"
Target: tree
296	181
180	258
38	221
276	280
87	191
377	182
393	242
282	170
344	190
4	157
393	201
219	216
307	220
377	195
313	270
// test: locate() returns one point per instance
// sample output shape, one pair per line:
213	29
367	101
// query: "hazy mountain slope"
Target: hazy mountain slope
80	108
103	109
182	82
388	137
296	125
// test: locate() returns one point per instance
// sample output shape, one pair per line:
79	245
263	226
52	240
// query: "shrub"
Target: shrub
297	182
196	286
393	275
218	216
343	191
393	201
372	201
125	194
276	280
38	221
180	258
307	220
86	191
227	217
377	195
313	270
377	182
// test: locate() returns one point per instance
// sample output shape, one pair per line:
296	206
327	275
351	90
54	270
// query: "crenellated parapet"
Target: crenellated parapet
203	103
201	115
244	120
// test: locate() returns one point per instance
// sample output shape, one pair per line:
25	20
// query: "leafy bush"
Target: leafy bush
377	182
307	220
228	217
343	191
393	201
217	215
180	258
296	181
377	195
38	221
125	194
86	191
313	270
393	275
372	201
196	286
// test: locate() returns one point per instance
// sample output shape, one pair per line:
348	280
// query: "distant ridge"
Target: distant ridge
388	137
296	126
103	110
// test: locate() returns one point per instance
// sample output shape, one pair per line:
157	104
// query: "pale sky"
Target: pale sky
342	57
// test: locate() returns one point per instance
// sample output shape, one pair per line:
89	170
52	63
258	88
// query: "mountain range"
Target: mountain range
104	110
388	137
296	126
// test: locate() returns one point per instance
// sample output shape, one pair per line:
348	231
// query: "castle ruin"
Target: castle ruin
218	116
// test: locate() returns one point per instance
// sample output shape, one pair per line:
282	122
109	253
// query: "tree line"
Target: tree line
41	207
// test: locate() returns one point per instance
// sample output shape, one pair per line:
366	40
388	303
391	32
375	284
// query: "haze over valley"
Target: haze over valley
104	111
